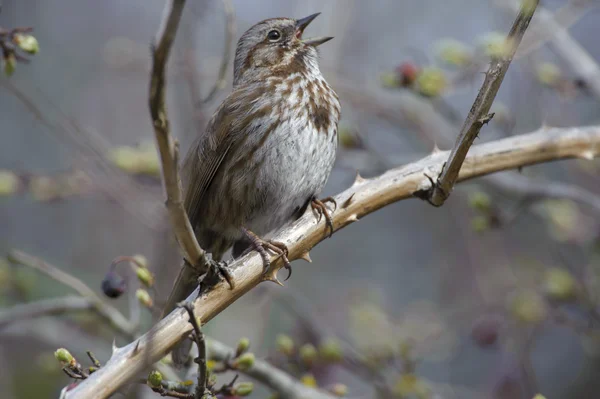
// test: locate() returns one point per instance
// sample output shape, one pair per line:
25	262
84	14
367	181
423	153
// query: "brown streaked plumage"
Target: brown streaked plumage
268	150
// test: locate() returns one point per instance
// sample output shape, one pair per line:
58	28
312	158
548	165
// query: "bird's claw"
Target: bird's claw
217	272
261	246
320	210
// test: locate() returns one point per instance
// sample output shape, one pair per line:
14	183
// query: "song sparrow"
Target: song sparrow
267	151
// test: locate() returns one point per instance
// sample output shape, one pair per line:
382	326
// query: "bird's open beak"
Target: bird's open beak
302	23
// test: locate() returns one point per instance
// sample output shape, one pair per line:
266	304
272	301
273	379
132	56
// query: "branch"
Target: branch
534	190
45	307
167	147
580	61
227	50
478	115
106	311
278	380
200	360
364	197
415	113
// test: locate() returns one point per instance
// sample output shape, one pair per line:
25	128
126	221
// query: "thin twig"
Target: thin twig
45	307
162	391
278	380
364	197
230	33
578	59
167	147
94	359
108	312
478	115
200	360
531	190
137	200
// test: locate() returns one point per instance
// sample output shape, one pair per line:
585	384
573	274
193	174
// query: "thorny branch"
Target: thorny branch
478	115
419	115
364	197
167	147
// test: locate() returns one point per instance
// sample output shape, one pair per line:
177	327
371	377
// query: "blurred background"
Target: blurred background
494	295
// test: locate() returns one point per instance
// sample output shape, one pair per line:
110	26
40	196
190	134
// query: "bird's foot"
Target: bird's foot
217	272
320	210
261	246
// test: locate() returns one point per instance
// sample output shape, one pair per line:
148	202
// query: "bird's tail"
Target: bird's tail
185	283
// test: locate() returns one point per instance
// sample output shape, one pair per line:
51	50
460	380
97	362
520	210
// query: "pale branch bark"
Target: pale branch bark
578	59
106	311
364	197
478	115
45	307
167	147
54	306
413	112
278	380
230	33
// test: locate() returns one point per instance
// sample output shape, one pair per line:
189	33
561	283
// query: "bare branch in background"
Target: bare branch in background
167	147
364	197
478	115
106	311
578	59
279	381
534	190
92	148
45	307
230	33
564	17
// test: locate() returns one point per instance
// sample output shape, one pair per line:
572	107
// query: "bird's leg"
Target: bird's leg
320	209
261	246
217	271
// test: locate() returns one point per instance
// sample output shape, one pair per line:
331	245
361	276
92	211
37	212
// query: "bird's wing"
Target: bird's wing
207	153
200	166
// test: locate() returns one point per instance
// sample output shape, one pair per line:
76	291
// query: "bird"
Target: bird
266	153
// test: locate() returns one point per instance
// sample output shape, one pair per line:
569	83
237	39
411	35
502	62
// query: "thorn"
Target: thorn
271	275
348	201
136	350
115	348
276	281
436	149
306	256
589	155
352	218
359	179
486	119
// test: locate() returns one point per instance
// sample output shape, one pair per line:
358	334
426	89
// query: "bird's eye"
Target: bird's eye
274	35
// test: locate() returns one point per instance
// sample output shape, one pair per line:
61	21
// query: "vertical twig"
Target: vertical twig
227	50
478	115
167	147
200	360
